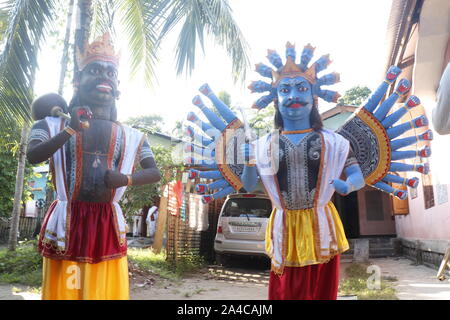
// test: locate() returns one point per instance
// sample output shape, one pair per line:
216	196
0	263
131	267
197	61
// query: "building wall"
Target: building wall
39	187
336	121
432	223
426	224
157	140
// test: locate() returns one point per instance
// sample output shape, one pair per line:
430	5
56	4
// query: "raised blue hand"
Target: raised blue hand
204	155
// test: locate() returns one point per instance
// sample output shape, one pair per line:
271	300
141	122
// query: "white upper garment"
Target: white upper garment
58	219
335	151
441	113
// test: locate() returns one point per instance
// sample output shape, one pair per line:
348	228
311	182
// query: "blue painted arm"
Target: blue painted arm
355	180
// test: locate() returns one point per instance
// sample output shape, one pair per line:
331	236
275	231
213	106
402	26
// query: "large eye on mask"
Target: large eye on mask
112	74
94	71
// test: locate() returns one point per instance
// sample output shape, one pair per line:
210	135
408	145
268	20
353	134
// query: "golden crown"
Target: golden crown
101	49
292	70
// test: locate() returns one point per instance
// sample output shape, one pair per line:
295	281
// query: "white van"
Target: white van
241	228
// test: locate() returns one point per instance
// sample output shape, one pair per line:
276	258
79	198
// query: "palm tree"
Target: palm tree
144	23
27	22
24	25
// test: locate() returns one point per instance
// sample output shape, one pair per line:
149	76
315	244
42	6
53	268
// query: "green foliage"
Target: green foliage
148	261
354	96
355	283
137	197
263	120
25	26
28	23
177	131
199	18
22	266
3	23
8	163
187	263
148	123
225	97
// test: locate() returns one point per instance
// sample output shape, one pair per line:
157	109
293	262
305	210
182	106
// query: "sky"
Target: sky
351	31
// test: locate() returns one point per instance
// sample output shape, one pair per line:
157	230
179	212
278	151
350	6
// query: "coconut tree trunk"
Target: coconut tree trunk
83	27
14	226
65	56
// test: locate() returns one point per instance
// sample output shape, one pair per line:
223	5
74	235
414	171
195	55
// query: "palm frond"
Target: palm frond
213	18
3	23
227	33
138	19
27	24
103	14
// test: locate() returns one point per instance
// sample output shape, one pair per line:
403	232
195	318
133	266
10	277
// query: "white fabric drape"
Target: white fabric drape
335	151
133	140
56	226
57	219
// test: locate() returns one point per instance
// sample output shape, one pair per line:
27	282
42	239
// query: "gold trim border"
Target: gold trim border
384	146
222	142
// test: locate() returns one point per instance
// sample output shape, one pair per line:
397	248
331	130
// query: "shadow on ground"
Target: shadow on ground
242	269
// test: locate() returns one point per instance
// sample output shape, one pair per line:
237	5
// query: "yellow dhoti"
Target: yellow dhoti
70	280
300	245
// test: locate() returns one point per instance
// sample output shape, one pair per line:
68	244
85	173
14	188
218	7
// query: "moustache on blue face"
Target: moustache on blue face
298	103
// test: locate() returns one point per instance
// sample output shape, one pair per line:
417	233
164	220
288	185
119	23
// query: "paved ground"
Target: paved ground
240	282
414	282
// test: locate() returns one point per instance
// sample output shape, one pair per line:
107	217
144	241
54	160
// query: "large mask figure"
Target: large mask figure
92	159
301	164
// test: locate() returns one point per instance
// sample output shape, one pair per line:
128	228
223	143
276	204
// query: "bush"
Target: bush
22	266
148	261
188	263
355	283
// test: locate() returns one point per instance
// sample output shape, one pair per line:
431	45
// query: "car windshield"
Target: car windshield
247	207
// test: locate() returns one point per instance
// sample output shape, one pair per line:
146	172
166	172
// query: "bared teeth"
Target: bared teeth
104	87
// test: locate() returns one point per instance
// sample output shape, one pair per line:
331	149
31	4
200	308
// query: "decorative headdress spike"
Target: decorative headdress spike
260	86
101	49
307	54
328	95
290	51
329	79
293	70
322	63
264	70
264	101
274	58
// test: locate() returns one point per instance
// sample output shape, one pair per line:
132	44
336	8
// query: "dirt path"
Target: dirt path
17	292
211	284
243	283
242	280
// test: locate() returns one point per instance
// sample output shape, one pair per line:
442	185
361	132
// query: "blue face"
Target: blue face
295	98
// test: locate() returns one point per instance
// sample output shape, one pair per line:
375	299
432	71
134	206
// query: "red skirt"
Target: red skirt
314	282
93	235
